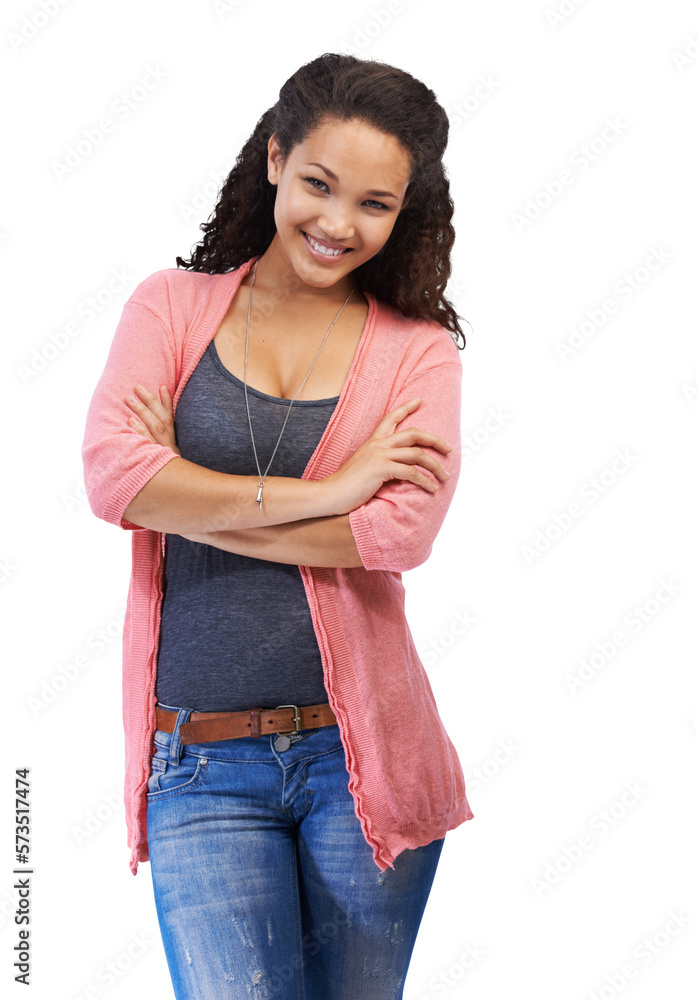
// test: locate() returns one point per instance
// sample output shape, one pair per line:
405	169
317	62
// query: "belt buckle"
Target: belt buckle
296	719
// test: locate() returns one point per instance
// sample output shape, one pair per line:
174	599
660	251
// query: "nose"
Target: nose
336	226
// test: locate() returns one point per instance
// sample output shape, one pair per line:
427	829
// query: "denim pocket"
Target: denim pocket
173	779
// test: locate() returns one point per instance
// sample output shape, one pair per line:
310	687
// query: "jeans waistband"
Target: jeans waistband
325	739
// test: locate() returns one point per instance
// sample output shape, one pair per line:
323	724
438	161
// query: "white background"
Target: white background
537	590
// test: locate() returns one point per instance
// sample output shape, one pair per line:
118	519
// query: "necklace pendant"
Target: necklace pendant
259	501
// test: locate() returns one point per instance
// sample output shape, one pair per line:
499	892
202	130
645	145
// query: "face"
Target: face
341	189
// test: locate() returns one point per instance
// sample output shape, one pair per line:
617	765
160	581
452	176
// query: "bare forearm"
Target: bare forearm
318	541
184	497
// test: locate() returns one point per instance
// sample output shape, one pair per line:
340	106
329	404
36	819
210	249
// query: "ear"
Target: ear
273	165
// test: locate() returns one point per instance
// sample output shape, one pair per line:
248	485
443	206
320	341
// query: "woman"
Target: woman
267	658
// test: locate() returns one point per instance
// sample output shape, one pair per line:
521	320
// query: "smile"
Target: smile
323	249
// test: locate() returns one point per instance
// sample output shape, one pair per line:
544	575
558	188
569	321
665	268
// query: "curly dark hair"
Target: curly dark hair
412	269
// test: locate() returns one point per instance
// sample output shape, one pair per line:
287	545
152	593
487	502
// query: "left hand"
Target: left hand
155	417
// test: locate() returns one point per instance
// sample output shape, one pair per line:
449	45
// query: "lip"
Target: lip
332	246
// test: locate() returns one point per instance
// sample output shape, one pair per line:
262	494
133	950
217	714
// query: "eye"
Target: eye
314	181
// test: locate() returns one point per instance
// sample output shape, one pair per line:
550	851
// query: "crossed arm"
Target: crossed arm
316	541
393	530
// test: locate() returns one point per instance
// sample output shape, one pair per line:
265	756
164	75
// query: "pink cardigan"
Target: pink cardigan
404	773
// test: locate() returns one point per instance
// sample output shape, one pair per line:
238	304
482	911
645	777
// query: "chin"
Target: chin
318	275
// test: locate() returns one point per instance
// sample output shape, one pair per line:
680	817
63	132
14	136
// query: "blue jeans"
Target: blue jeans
264	883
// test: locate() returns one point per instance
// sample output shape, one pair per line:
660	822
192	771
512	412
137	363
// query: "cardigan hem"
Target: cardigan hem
368	548
425	832
115	506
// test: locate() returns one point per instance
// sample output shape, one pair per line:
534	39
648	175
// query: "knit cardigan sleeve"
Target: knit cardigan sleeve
117	461
396	528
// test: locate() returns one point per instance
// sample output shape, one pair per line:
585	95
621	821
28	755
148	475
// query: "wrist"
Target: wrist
322	500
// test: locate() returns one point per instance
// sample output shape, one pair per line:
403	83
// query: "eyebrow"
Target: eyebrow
380	194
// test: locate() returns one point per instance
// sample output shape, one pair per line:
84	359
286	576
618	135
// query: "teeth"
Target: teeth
325	250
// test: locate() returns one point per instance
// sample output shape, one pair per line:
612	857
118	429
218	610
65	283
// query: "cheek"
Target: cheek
292	208
382	231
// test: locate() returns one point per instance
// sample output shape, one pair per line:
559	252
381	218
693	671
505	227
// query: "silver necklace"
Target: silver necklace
246	399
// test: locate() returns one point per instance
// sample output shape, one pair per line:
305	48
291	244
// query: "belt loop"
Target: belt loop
175	746
255	723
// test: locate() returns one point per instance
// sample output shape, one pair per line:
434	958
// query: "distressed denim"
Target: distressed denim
264	884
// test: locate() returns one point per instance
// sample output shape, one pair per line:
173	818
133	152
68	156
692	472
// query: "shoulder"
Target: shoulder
179	298
173	287
415	344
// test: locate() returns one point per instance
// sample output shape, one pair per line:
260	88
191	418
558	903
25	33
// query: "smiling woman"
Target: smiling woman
304	337
340	224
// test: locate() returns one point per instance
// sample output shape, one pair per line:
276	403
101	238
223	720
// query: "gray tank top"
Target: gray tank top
236	632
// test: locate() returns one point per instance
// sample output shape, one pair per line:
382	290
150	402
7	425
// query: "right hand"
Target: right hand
156	416
384	456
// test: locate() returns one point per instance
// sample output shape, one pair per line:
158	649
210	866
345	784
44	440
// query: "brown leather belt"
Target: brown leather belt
207	727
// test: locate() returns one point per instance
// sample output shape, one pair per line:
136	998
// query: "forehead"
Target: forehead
357	153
